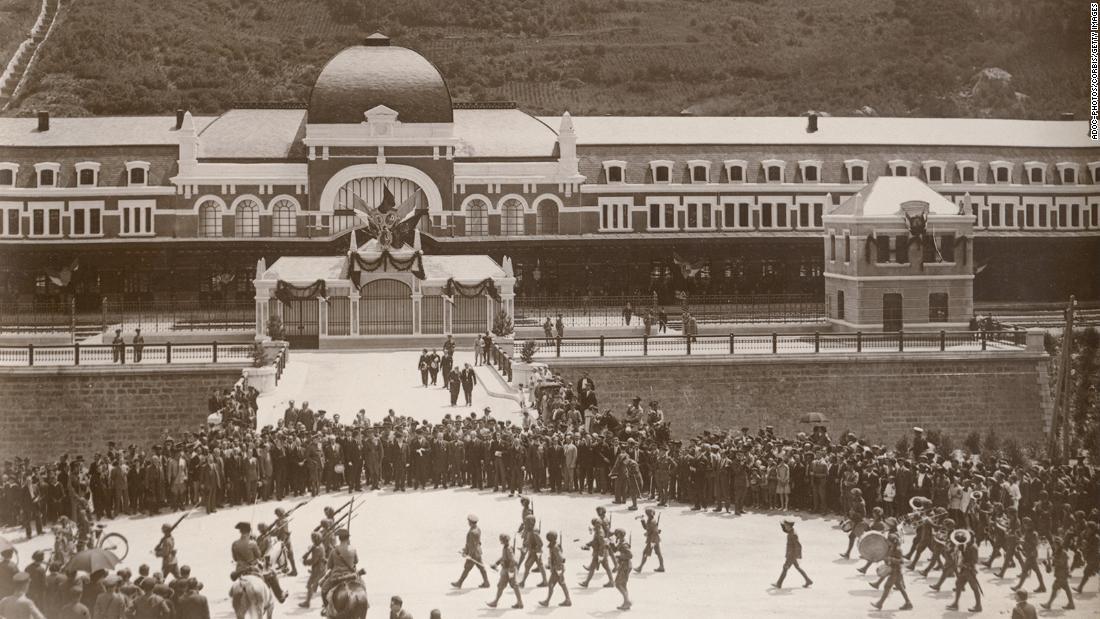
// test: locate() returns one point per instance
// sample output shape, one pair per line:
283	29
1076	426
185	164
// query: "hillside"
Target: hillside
742	57
16	19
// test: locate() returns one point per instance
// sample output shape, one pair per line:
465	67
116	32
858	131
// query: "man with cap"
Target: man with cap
166	550
150	605
472	553
111	603
8	569
316	559
532	550
920	444
557	570
396	608
37	571
857	513
966	569
622	570
894	579
1023	608
507	563
343	565
598	545
249	560
793	554
651	526
16	605
192	604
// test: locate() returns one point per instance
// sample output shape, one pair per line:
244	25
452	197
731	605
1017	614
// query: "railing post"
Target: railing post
122	354
645	345
168	352
76	353
557	346
817	341
943	340
215	351
775	342
688	344
601	345
30	354
983	339
731	343
859	341
901	340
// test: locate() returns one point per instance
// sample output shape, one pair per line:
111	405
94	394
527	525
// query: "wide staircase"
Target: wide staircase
20	62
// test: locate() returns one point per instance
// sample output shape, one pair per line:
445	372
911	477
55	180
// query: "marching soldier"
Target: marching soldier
249	560
598	545
557	571
507	564
166	550
316	558
652	540
472	554
1061	574
966	567
793	554
605	521
894	580
1090	547
622	569
527	509
857	513
343	565
1030	548
532	551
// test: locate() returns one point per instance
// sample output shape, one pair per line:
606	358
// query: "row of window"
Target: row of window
48	174
1036	216
246	217
894	249
891	302
85	219
512	220
856	171
703	214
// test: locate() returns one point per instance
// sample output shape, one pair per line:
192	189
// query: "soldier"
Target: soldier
280	530
532	551
316	558
1060	560
507	563
857	513
343	565
557	571
598	545
150	604
166	550
1090	547
894	580
526	510
793	554
652	529
472	553
605	521
966	568
1030	552
249	560
622	570
632	484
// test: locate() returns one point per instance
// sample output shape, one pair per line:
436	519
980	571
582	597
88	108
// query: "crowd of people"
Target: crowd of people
570	446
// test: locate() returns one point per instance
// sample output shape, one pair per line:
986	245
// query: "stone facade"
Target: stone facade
77	410
878	396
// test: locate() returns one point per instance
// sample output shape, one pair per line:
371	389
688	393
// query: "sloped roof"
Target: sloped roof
307	268
254	134
764	130
464	269
502	133
885	195
96	131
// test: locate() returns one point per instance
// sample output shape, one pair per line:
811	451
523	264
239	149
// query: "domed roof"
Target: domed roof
376	73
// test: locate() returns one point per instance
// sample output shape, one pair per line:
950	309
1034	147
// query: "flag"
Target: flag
387	200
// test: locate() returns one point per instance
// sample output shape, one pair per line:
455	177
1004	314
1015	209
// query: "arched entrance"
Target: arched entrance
385	308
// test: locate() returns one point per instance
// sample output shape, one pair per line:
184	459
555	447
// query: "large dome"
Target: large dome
377	73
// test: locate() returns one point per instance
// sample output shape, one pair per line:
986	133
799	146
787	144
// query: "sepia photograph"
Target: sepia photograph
425	308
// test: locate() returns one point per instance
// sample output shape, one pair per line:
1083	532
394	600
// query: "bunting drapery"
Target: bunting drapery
287	292
385	262
486	286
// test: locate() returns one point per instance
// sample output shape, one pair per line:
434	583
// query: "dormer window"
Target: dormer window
87	174
735	170
811	171
857	170
933	171
47	174
899	167
615	171
7	174
700	171
968	171
1067	172
137	173
1002	172
1036	172
1094	171
661	170
773	170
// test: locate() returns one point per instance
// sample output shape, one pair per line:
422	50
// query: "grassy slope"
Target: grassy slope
589	56
16	19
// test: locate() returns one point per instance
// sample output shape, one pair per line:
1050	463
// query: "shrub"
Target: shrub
527	353
502	324
902	446
992	442
973	443
1014	453
259	355
275	328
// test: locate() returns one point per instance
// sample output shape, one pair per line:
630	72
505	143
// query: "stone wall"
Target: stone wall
45	412
878	396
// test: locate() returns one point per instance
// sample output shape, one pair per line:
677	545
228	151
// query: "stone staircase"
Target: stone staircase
20	63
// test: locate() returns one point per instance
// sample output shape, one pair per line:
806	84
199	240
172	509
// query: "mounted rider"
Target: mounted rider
343	566
249	560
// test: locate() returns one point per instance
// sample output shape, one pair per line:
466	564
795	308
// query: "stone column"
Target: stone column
1035	340
322	317
353	296
417	296
448	317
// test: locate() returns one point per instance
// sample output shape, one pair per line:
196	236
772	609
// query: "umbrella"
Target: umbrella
91	560
6	545
814	418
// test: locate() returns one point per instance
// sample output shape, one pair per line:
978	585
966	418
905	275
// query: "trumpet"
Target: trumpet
977	496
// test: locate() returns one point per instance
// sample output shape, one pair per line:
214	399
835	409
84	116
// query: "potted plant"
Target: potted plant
525	371
504	329
262	373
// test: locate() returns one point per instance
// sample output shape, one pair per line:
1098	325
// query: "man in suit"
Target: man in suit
290	416
569	464
423	364
111	603
307	417
452	379
469	379
192	604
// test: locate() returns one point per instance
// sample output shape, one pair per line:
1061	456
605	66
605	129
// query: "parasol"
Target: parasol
817	418
91	560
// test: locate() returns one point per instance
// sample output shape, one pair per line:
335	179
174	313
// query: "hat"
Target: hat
243	527
112	581
147	584
787	522
21	578
472	518
918	429
637	398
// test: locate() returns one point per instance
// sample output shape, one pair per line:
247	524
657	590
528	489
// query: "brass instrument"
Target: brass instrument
977	496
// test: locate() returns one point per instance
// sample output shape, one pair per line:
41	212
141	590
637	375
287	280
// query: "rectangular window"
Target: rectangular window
1029	216
935	174
7	177
615	215
882	249
832	247
654	215
765	215
737	174
929	251
1036	175
86	218
775	173
614	174
937	307
670	216
810	174
818	209
781	215
87	178
840	304
1095	215
901	249
803	215
699	174
729	215
1010	215
660	174
968	175
1069	176
744	215
947	247
1002	175
1042	216
10	215
692	215
1075	215
995	209
137	217
857	174
46	220
847	247
1063	213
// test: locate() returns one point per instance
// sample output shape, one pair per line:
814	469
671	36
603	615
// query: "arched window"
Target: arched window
547	217
511	218
284	219
210	219
246	220
477	218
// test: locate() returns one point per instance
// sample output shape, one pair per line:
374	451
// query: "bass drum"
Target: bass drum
873	546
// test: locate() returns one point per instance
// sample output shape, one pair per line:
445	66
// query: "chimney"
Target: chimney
1066	116
179	119
811	123
43	121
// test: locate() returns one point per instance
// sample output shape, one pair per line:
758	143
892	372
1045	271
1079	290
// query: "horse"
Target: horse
349	600
252	599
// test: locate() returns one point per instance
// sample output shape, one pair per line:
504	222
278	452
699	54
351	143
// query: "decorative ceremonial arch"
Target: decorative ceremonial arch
330	194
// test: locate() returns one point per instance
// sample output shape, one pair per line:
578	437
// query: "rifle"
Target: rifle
187	513
271	530
342	508
335	525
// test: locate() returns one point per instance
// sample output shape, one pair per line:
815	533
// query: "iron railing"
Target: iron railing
280	363
502	361
122	354
150	317
608	311
780	343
